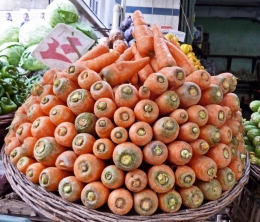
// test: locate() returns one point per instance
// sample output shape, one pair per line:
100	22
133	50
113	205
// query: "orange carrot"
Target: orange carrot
146	110
42	127
204	167
11	144
18	120
75	70
48	102
23	131
127	156
80	100
153	63
88	77
232	81
65	133
103	148
120	201
141	133
70	188
9	135
185	176
165	129
221	154
112	177
119	135
170	201
47	77
189	94
86	122
144	92
94	195
23	163
28	146
225	134
231	100
103	127
128	55
175	76
192	197
65	161
101	89
134	80
83	143
226	178
136	180
237	168
102	61
96	51
210	134
60	113
157	83
147	70
33	172
61	74
120	46
124	117
88	168
50	178
179	152
29	101
222	82
46	151
142	34
211	95
181	59
105	107
20	110
216	115
167	102
62	87
163	55
145	202
228	112
199	147
201	77
42	91
15	155
34	112
197	114
180	115
188	132
119	72
161	178
234	126
126	95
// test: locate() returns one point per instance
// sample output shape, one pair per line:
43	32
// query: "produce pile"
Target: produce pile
252	133
140	129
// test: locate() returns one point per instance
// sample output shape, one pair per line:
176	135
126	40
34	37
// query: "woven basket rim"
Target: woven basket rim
58	209
6	119
255	171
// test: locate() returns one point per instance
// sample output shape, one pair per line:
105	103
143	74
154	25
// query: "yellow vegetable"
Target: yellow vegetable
191	54
185	48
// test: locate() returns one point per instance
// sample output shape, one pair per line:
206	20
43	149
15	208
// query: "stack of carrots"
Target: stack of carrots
137	129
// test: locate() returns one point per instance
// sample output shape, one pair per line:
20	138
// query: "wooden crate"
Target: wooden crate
246	207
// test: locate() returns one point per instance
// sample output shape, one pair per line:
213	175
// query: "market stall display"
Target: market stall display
138	134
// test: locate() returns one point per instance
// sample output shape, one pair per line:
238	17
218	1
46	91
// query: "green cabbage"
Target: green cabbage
9	33
61	11
13	51
28	62
33	32
86	29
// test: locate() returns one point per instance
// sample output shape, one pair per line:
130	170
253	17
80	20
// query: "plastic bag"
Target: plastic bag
125	24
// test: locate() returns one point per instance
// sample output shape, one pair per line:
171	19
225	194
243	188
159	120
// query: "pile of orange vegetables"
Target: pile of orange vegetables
132	128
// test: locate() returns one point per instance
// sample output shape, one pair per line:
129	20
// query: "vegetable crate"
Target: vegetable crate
5	121
246	207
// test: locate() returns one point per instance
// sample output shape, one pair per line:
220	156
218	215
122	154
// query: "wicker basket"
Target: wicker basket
54	207
5	121
255	171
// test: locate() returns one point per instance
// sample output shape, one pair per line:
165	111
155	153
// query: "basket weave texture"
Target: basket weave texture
54	207
255	171
5	121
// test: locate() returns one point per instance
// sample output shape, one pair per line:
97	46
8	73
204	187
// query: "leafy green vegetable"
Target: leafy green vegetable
28	62
86	29
33	32
13	52
9	33
61	11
